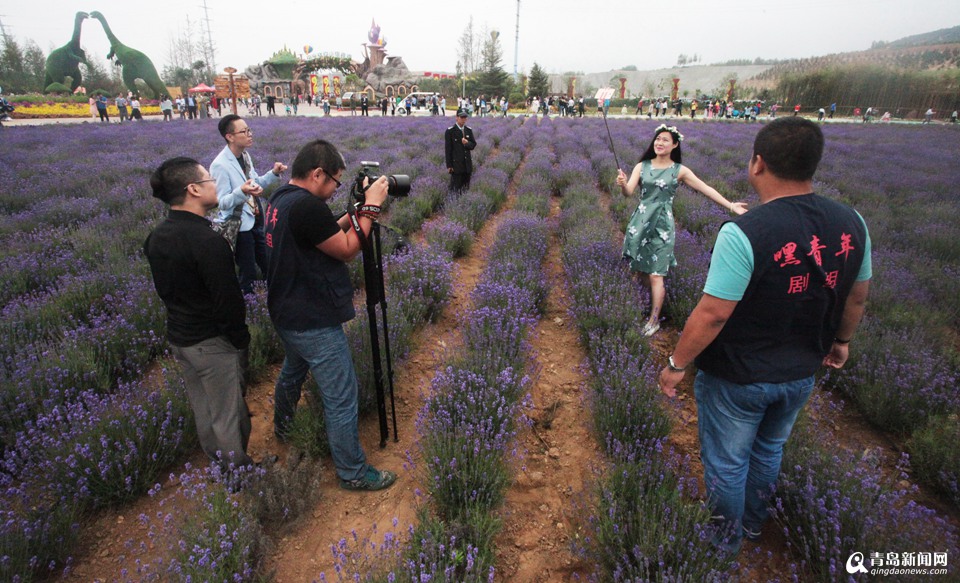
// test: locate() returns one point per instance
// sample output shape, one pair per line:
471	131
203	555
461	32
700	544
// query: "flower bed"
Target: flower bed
55	109
79	322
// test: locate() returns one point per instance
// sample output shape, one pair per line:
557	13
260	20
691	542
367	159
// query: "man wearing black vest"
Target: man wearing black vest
458	142
310	297
785	292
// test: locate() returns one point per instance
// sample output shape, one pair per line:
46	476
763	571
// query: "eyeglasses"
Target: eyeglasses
247	131
199	182
330	176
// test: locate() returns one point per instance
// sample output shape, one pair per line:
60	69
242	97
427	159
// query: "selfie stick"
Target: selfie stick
614	150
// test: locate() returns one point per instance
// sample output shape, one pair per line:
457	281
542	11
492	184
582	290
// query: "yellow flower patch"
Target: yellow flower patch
45	110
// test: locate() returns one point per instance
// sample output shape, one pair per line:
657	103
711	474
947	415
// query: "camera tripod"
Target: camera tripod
376	294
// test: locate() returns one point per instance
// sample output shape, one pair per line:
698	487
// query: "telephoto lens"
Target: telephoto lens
398	184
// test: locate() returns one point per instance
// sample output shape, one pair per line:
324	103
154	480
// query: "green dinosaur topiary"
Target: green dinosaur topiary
65	61
59	88
135	64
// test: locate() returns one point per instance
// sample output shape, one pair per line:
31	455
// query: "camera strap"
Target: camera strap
355	221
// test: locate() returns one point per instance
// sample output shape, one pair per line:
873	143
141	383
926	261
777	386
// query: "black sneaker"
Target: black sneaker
373	479
751	535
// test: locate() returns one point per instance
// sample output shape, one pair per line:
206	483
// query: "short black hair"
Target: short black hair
170	180
317	154
226	124
791	147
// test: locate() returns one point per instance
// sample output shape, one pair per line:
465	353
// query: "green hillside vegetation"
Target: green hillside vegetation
908	76
905	92
937	37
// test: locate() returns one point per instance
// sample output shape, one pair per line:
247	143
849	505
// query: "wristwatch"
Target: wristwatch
673	367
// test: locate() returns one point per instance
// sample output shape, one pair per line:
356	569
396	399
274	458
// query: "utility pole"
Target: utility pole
3	29
208	53
516	44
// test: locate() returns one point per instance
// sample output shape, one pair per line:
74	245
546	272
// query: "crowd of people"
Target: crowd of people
360	103
295	243
783	296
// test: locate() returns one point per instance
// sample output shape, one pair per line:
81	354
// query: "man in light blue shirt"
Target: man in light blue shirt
239	184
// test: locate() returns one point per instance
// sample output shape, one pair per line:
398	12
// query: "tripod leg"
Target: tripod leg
386	329
373	279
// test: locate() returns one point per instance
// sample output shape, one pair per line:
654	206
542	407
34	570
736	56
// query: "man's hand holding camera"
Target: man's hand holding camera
376	193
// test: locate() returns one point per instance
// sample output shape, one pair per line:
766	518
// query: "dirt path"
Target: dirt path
535	543
304	553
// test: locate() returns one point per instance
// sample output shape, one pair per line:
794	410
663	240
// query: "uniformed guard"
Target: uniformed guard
458	142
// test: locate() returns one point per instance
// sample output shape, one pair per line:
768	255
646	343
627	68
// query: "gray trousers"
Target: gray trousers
213	372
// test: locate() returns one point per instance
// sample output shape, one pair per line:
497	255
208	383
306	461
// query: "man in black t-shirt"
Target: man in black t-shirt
193	273
310	296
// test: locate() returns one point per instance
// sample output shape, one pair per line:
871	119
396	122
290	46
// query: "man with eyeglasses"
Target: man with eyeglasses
239	184
310	297
193	274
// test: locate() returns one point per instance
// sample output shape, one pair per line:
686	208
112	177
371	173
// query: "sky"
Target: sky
559	35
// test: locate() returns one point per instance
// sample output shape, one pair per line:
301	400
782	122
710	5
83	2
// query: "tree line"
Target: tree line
864	85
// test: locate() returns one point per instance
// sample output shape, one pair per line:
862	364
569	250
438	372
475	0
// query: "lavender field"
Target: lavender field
92	414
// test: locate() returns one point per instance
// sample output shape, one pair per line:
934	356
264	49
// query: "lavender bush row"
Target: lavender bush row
933	456
427	195
418	286
448	236
623	398
646	525
487	194
214	526
646	528
208	534
684	284
114	341
896	377
831	503
85	251
94	452
534	186
434	550
467	427
608	302
516	256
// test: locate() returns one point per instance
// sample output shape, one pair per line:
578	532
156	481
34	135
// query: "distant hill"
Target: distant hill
694	79
936	53
937	37
912	57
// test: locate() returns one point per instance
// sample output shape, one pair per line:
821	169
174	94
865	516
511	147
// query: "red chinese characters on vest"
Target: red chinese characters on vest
787	255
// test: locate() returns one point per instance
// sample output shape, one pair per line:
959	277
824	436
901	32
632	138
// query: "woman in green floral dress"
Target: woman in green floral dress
649	238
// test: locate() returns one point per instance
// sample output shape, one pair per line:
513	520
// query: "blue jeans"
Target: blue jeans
742	431
324	352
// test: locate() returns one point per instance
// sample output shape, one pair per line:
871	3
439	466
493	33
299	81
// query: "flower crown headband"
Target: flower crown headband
672	129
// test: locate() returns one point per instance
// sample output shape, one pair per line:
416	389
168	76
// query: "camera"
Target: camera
397	184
